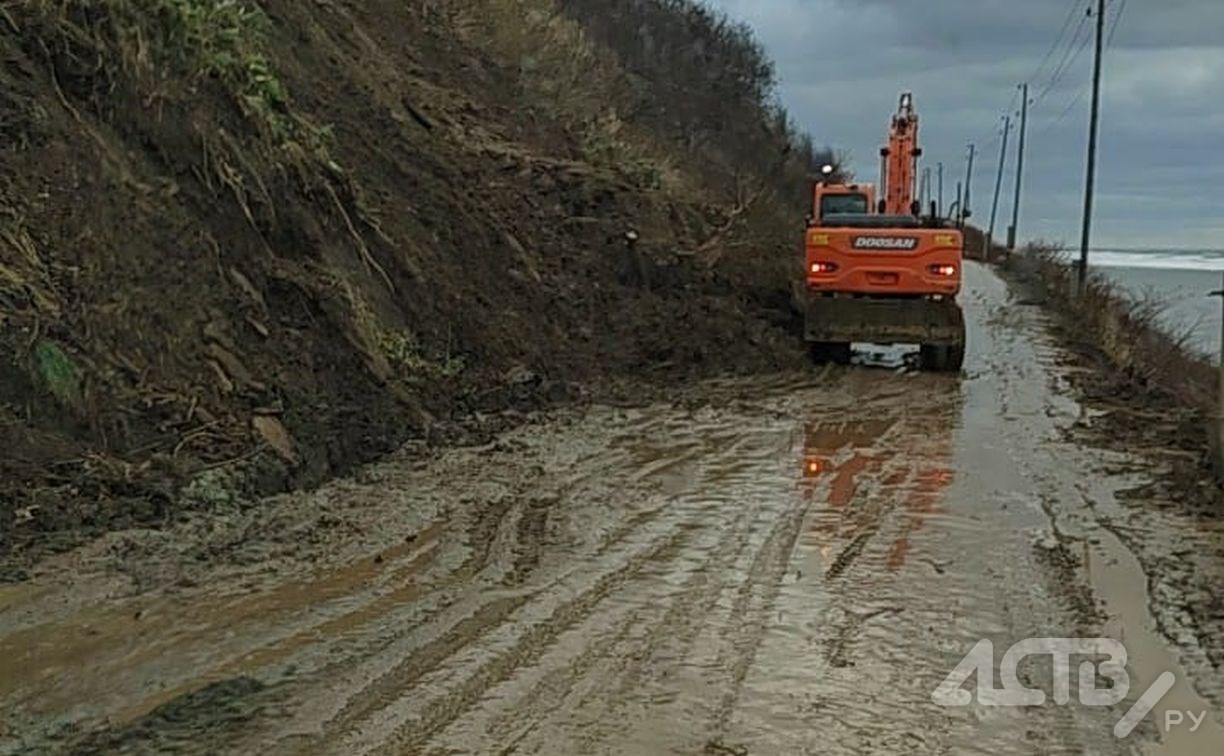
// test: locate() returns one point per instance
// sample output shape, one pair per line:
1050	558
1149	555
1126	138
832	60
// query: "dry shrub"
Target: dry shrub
1127	331
706	84
564	73
669	93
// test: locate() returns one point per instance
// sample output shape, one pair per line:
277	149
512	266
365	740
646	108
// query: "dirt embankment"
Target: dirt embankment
1148	382
1153	391
1151	400
245	246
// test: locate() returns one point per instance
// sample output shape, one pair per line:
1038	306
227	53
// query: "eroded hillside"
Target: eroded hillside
247	245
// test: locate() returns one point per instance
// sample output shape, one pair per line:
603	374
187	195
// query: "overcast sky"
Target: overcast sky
843	63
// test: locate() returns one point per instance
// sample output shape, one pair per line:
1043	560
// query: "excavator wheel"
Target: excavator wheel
831	352
943	359
948	355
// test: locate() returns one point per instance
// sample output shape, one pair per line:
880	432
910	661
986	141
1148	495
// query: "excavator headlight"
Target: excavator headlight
943	271
824	267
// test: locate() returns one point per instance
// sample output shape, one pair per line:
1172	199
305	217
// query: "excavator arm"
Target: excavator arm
900	160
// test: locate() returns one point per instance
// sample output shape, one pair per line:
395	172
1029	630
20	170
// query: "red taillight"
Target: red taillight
944	271
813	468
824	267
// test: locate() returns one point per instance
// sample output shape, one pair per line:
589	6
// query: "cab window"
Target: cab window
838	204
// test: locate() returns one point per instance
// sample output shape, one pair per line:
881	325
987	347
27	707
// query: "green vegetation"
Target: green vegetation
200	40
404	353
399	348
59	373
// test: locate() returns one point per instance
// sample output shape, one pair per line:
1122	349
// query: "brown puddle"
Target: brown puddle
913	462
13	595
1119	579
38	660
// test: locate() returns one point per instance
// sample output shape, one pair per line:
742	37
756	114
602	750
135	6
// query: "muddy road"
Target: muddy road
770	567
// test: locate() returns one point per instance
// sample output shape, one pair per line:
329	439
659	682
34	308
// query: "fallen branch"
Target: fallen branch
717	239
417	115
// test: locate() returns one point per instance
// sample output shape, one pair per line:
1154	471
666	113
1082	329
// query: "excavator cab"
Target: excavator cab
841	199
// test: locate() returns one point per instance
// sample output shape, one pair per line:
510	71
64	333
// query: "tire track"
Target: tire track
399	729
753	604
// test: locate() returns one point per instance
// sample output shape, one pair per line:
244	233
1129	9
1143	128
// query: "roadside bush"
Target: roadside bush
1125	330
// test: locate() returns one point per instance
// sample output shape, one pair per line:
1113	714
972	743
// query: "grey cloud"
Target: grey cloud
842	64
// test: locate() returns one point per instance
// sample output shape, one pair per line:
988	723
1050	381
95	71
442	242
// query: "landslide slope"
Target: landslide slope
246	245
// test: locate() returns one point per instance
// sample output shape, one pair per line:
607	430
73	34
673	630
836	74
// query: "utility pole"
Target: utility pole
960	208
939	210
965	208
1012	230
994	206
1218	451
1094	122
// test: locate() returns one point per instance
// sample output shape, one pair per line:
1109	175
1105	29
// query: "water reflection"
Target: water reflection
879	469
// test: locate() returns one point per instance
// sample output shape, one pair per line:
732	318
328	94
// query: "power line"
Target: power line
1072	45
1070	56
1080	95
1059	71
1050	87
1075	5
1117	20
1063	115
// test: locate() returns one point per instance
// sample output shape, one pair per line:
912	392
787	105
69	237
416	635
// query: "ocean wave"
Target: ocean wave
1170	260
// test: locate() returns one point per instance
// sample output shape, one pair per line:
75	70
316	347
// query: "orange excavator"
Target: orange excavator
883	272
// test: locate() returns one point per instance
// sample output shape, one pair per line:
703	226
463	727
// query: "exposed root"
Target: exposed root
362	248
59	91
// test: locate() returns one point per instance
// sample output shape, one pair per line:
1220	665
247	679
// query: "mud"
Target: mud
769	566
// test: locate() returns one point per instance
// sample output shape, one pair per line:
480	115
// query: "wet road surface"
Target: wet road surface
782	566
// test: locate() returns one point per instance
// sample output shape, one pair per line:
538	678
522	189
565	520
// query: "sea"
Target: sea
1180	280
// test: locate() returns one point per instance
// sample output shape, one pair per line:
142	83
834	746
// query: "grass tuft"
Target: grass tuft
59	374
164	40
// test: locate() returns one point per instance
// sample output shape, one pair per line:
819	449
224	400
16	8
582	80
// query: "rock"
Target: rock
514	243
521	376
274	433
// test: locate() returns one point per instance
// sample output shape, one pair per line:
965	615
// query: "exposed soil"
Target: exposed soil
760	566
195	311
